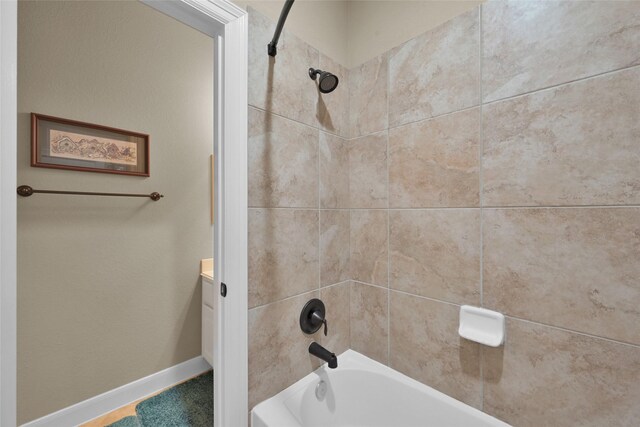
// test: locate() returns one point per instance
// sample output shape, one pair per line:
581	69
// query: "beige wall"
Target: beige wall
108	288
466	173
322	24
374	27
352	32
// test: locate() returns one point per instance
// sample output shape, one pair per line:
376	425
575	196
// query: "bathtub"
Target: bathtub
363	392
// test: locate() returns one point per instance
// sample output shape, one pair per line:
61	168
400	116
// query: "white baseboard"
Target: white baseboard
106	402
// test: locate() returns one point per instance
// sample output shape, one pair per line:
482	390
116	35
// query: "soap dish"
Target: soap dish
481	325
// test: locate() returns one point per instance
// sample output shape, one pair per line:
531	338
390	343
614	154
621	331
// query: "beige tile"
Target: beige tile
435	163
436	253
334	247
283	162
572	145
368	171
369	321
281	84
278	349
368	97
369	242
425	345
528	45
283	254
336	300
334	171
574	268
437	72
332	109
548	377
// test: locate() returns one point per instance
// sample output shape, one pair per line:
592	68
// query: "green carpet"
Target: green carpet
126	422
189	404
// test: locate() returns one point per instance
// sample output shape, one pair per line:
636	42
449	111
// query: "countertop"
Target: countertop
206	268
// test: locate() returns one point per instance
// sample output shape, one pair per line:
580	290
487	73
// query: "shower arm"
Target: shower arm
272	48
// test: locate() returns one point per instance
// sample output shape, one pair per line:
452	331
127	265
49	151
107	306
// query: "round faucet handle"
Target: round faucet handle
312	317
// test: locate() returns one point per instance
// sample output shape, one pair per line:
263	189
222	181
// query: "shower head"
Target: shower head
327	81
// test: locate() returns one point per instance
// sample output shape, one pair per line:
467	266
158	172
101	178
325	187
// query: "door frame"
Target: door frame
8	167
227	24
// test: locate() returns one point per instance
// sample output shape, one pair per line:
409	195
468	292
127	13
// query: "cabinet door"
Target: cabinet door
207	293
207	334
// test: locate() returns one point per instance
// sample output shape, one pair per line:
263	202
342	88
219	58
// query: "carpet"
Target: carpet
126	422
189	404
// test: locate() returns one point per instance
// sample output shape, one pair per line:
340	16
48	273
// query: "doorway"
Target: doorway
226	24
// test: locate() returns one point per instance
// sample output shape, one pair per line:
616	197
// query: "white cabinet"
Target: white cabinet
207	320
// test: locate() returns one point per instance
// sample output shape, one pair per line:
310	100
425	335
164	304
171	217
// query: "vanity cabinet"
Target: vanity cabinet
207	319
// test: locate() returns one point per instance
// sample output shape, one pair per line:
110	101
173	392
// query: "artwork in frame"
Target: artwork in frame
69	144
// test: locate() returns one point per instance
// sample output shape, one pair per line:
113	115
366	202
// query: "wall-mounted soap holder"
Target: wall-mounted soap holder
481	325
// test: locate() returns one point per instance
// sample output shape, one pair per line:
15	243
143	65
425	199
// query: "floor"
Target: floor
125	411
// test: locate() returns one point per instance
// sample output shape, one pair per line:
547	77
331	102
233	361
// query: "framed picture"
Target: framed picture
68	144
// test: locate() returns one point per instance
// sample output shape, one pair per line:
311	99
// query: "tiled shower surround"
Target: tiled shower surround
492	161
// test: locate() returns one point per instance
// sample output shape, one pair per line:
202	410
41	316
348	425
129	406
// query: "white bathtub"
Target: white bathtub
363	392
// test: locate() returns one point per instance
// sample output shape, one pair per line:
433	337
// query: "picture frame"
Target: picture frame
60	143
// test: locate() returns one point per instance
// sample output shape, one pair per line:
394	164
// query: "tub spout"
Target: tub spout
324	354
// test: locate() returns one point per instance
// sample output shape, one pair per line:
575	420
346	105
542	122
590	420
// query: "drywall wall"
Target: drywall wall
108	288
322	24
374	27
352	32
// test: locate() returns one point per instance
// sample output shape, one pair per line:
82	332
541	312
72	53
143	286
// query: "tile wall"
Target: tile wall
298	227
513	177
492	161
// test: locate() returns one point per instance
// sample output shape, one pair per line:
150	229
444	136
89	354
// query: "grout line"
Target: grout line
425	119
370	284
360	282
438	116
547	88
349	286
481	192
335	284
508	316
345	146
292	208
452	208
316	127
308	291
418	296
480	163
349	264
299	294
369	134
564	207
572	331
320	254
388	217
350	312
388	285
389	128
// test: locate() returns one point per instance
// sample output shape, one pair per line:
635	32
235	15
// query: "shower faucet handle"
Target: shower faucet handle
321	319
313	316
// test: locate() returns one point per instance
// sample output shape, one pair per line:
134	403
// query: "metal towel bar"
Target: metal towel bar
26	191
